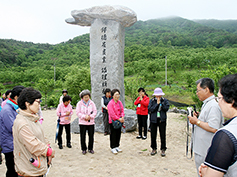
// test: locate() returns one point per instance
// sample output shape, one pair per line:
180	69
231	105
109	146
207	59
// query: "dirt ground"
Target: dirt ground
135	160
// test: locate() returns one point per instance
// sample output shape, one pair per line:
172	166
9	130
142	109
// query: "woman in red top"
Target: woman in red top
142	103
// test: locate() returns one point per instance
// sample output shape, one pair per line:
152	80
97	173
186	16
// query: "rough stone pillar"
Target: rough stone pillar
106	46
106	58
106	55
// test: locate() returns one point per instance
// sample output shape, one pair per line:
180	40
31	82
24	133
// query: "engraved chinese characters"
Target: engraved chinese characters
107	35
104	69
106	58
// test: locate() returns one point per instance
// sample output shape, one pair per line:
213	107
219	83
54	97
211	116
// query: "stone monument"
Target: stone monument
107	43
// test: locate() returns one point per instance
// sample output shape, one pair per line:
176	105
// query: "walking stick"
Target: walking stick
189	134
57	128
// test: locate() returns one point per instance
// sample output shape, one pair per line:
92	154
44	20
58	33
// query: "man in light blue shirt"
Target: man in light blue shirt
207	122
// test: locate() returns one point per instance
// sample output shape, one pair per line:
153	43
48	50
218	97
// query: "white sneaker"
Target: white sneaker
114	151
118	150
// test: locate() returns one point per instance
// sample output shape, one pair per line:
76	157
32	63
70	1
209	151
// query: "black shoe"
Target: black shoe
153	152
144	137
162	153
91	151
106	133
139	137
60	146
69	145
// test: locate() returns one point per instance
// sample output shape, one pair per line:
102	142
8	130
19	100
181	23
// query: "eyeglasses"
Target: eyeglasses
38	101
218	99
199	90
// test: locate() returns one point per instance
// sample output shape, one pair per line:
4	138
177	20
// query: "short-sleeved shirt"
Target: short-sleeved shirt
210	113
223	151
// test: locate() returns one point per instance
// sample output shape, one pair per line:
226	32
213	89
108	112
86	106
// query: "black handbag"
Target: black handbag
116	123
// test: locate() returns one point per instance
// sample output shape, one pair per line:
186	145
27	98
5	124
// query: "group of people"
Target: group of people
86	112
27	152
157	107
113	111
215	144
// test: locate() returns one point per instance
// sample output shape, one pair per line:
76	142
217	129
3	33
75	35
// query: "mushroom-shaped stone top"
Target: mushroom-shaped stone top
121	14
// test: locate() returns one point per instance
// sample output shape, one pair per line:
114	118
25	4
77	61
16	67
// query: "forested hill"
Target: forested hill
15	52
179	31
174	31
228	25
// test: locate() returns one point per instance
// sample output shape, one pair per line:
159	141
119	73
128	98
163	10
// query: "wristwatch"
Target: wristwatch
198	123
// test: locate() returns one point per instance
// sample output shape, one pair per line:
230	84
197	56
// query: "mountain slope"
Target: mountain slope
179	31
168	32
227	25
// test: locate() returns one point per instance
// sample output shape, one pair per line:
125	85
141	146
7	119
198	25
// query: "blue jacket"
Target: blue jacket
153	108
7	117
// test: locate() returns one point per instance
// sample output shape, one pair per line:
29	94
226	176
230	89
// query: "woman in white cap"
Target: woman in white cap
158	106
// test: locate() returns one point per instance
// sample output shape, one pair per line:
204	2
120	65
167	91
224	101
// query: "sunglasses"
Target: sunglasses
38	101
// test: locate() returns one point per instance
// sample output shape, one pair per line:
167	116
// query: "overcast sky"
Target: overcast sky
44	21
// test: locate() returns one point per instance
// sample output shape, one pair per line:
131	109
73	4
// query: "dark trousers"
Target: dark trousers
142	122
68	133
9	157
115	136
91	130
106	122
162	131
0	157
32	176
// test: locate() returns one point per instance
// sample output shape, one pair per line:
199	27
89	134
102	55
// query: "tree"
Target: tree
76	81
1	87
217	73
132	85
45	86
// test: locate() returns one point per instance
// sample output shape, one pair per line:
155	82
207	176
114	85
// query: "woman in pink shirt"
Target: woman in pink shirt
86	112
8	93
64	112
116	112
